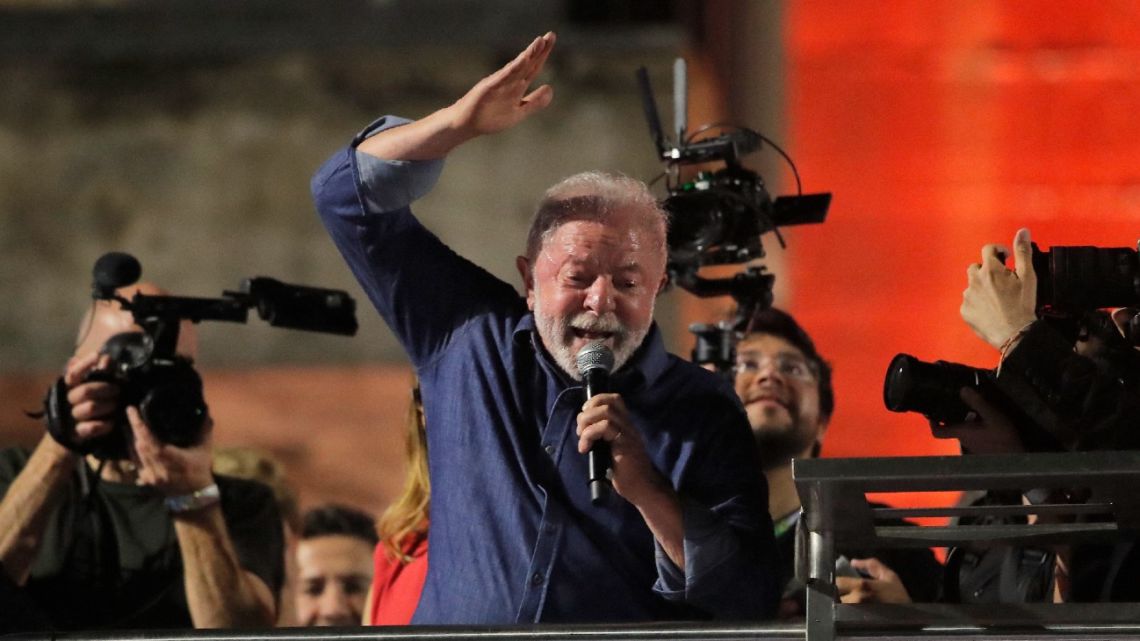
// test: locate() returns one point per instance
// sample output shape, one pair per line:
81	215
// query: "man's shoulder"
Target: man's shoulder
693	379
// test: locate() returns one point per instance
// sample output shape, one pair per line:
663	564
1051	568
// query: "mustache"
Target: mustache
590	323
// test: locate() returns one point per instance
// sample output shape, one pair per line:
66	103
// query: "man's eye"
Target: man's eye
355	585
314	588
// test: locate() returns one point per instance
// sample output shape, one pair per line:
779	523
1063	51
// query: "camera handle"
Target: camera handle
716	344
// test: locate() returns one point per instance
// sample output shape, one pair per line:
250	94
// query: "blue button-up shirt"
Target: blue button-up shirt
514	537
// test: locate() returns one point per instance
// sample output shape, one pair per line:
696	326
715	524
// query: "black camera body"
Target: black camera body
717	217
1077	278
167	390
162	384
933	390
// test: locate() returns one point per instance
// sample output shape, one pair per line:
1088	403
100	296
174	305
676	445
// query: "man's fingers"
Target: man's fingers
86	430
145	444
538	58
98	391
1023	255
538	99
874	567
994	255
844	585
78	368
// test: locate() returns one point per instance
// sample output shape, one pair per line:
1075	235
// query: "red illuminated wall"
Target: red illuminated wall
941	126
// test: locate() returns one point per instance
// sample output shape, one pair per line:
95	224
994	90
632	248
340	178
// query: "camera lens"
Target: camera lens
931	389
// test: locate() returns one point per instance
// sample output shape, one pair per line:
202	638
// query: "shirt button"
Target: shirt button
537	578
549	449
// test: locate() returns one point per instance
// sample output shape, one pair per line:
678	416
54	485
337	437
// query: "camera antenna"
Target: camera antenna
649	106
680	99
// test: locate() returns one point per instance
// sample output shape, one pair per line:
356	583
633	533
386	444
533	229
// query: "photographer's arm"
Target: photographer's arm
37	489
220	593
28	503
497	102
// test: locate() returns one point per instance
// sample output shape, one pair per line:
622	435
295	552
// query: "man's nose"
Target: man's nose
768	372
334	603
600	296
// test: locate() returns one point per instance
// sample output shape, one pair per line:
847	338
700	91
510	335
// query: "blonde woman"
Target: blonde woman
401	555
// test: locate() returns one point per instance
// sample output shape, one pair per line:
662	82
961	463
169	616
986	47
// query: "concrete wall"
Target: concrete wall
201	169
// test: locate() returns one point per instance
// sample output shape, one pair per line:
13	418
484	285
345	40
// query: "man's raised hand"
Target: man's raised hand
501	100
497	102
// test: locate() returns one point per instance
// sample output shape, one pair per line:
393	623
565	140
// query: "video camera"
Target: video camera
717	217
162	384
1073	282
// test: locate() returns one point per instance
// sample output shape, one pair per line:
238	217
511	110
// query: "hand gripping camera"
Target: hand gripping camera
717	217
1072	283
162	384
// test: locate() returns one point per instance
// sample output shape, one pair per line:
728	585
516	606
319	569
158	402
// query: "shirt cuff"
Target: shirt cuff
709	543
388	185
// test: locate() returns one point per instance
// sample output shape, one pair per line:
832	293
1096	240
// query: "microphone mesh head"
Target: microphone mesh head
595	356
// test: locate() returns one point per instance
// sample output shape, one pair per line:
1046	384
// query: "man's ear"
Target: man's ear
527	275
663	283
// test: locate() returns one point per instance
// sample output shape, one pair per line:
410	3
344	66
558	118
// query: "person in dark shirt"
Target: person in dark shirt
153	541
785	386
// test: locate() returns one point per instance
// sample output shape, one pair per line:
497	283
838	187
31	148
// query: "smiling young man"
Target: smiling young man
514	536
785	386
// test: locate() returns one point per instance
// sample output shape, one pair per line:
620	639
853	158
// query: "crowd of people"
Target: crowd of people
703	513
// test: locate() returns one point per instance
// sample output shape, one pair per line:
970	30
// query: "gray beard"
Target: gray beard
557	337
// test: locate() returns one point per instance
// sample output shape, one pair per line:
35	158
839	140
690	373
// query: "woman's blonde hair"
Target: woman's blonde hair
408	514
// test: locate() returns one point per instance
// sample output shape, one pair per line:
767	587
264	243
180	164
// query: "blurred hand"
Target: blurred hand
998	302
883	586
991	433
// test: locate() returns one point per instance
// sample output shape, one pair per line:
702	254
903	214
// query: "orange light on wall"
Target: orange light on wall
940	127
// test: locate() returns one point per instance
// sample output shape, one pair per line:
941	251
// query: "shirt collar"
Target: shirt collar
647	364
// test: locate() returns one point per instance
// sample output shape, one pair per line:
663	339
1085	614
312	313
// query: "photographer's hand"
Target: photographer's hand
92	404
497	102
990	433
999	302
219	592
883	585
173	471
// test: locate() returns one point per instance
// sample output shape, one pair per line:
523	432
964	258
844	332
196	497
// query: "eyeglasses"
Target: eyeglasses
786	364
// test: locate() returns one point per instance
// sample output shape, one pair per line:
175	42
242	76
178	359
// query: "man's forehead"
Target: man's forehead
757	343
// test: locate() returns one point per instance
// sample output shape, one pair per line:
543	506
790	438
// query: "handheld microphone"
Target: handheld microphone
594	364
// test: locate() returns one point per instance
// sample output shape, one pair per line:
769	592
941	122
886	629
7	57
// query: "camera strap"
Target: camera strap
57	416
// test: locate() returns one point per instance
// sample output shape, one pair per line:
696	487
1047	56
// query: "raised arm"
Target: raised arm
497	102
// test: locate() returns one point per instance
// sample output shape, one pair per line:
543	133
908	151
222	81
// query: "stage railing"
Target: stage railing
837	513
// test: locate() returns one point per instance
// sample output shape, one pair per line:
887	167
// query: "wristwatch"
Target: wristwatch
196	500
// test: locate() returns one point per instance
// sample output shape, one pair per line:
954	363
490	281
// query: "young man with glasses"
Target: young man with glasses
785	386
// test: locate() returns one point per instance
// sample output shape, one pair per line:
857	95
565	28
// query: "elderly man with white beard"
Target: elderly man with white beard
514	536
